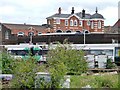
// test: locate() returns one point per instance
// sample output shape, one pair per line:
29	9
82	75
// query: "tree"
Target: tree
64	60
71	58
7	63
24	73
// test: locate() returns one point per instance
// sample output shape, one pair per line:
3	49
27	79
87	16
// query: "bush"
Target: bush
24	74
7	63
110	64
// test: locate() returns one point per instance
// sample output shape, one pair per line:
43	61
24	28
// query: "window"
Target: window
48	21
6	35
88	22
78	31
80	23
59	31
99	24
71	22
66	22
39	33
92	25
20	34
68	31
57	21
75	23
31	33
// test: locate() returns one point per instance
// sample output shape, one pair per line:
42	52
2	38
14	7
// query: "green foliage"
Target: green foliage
110	64
7	63
63	60
98	81
71	58
24	74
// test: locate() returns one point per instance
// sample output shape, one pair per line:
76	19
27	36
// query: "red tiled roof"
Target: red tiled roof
117	24
24	26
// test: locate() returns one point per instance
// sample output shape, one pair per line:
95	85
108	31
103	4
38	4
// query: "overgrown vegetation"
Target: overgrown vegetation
7	63
110	64
71	58
95	81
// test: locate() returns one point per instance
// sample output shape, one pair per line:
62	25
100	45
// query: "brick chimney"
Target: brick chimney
59	10
83	13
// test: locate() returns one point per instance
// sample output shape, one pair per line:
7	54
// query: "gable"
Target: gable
74	15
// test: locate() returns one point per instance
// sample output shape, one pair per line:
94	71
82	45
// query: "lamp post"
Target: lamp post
31	34
30	37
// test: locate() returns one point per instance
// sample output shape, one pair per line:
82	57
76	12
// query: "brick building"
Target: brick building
26	29
76	22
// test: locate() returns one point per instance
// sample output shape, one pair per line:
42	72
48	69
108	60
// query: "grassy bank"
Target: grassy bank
95	81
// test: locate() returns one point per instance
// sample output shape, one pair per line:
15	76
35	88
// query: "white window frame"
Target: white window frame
39	33
57	21
80	23
75	23
71	22
66	22
99	24
21	34
92	25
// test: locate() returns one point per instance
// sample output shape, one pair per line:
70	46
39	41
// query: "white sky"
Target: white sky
36	11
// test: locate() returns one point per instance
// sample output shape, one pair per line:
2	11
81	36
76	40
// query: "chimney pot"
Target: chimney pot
59	10
72	10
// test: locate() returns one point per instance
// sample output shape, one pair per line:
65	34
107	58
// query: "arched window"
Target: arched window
78	31
59	31
75	22
99	24
39	33
31	33
6	35
80	23
68	31
20	34
71	22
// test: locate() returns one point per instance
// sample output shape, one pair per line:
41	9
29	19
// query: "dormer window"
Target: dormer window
57	21
71	22
75	22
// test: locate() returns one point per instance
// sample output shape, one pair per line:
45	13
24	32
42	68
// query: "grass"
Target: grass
95	81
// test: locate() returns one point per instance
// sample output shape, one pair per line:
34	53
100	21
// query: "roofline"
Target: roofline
20	24
116	22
